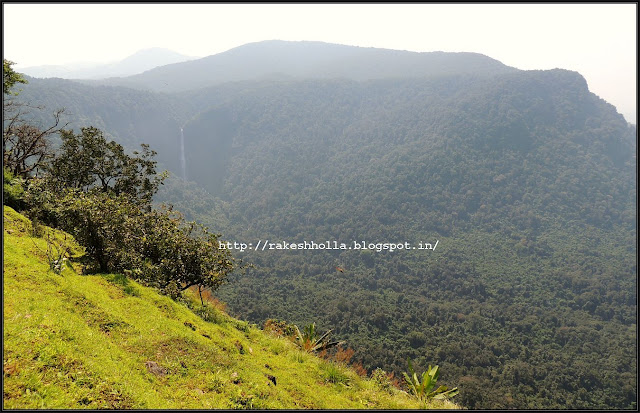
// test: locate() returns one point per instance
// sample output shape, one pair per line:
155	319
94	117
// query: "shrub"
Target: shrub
382	378
279	328
12	190
333	374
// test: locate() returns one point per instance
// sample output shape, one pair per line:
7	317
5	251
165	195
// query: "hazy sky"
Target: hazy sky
599	41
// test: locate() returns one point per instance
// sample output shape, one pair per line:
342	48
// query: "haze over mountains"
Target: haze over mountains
139	62
526	179
276	59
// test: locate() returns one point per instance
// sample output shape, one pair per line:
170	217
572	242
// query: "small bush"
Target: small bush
344	355
37	229
383	379
333	374
122	281
12	190
279	328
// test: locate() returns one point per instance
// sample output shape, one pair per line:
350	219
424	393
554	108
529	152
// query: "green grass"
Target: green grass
92	341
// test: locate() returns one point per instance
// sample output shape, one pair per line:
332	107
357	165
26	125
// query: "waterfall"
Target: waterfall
183	160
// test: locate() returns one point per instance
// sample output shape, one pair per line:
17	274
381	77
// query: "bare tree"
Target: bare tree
25	146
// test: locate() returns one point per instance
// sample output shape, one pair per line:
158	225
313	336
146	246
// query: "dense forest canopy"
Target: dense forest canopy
525	179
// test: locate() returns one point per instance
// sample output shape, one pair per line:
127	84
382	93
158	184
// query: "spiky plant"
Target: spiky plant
423	389
311	342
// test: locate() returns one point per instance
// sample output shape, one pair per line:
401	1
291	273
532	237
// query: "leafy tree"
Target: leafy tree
103	197
88	161
26	147
106	225
10	77
182	253
157	247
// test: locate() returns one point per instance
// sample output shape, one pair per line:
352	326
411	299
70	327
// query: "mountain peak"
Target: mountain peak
310	59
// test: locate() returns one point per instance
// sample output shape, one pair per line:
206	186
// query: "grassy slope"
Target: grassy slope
73	341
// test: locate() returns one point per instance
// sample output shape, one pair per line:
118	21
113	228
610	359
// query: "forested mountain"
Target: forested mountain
525	179
277	59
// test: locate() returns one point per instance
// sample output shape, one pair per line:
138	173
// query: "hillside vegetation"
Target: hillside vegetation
102	341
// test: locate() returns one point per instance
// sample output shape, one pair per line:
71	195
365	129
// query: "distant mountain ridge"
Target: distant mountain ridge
277	59
138	62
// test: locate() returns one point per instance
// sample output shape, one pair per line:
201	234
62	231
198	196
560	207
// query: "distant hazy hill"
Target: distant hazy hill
277	59
134	64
